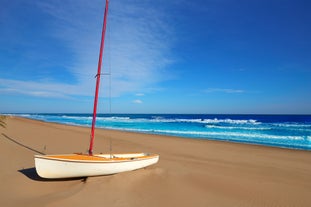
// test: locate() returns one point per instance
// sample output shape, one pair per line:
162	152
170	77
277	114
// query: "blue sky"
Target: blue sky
177	56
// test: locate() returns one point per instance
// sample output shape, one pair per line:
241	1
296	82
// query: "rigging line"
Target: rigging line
109	63
22	145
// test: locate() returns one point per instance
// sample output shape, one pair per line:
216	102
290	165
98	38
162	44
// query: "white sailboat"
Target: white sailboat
85	165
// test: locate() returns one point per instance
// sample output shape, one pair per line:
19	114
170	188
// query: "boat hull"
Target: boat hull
78	165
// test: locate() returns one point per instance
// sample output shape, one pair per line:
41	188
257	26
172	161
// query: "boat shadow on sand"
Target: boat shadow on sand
32	174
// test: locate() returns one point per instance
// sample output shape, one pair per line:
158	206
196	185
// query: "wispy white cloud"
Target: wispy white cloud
39	89
223	90
137	101
137	47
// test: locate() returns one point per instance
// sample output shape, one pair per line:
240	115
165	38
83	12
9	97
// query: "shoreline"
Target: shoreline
168	135
190	172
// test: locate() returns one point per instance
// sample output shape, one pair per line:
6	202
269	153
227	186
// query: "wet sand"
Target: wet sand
189	173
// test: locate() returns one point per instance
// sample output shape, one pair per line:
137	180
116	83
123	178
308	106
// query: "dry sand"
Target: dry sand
189	173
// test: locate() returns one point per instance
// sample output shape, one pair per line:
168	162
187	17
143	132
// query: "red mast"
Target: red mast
98	78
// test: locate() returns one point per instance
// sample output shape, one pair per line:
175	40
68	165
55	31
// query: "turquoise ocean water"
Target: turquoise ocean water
289	131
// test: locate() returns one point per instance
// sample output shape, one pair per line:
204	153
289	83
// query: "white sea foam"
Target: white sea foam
294	125
205	121
221	135
114	118
159	119
77	117
21	115
254	136
173	120
237	128
230	121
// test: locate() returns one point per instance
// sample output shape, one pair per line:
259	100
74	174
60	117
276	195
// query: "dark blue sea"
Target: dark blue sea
287	131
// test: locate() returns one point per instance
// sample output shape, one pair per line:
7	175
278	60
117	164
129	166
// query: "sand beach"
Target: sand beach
190	172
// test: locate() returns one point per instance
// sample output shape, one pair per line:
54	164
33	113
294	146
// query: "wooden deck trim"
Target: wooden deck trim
93	158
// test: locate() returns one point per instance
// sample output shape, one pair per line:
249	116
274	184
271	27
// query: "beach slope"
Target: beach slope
190	172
